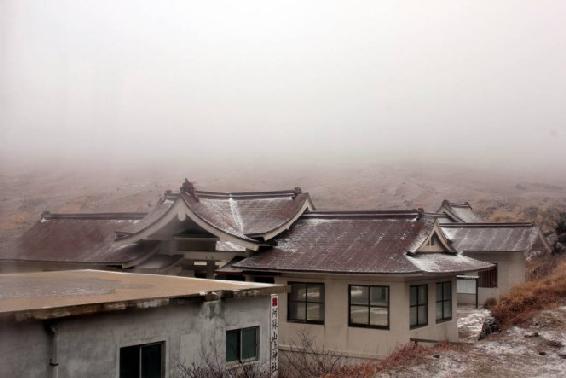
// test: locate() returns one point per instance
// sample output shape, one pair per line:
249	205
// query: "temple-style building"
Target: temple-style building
360	283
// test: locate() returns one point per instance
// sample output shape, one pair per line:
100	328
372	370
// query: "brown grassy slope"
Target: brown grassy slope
532	296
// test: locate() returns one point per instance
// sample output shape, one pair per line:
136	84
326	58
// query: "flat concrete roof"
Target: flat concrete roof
44	295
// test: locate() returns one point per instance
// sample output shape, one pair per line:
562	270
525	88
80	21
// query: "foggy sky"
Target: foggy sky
482	82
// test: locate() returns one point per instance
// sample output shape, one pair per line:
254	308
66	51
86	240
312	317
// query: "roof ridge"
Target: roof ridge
246	195
488	224
388	214
46	215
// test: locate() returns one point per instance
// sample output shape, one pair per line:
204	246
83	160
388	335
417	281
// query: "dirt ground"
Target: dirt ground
536	349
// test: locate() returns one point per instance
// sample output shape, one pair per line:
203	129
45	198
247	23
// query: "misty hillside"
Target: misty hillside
26	194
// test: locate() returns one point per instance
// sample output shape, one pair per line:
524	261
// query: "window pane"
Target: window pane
359	294
298	292
297	310
249	343
439	310
413	316
315	293
439	287
378	316
447	310
359	314
423	315
130	362
413	295
151	361
233	345
379	295
315	311
447	290
422	294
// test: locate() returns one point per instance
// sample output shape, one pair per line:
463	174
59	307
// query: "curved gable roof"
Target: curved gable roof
248	216
369	242
459	212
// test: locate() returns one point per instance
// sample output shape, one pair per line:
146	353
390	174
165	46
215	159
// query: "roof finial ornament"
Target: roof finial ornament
188	187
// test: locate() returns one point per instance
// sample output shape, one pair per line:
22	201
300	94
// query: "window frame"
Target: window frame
139	350
490	275
306	302
369	306
417	305
240	345
444	300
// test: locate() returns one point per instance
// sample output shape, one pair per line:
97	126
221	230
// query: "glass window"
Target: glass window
418	306
488	278
444	301
242	344
233	345
306	302
141	361
369	306
249	343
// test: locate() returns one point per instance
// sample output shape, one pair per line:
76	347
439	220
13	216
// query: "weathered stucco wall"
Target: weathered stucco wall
89	346
358	342
511	271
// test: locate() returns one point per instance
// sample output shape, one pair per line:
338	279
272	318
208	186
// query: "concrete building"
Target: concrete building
395	269
508	245
363	283
88	323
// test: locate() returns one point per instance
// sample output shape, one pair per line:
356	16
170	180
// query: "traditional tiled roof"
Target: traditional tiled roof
252	217
120	238
369	242
78	238
493	237
458	212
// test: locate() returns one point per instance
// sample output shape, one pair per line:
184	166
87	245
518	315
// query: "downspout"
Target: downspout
53	349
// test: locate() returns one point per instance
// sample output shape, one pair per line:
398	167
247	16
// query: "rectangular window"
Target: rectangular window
305	303
418	308
142	361
242	344
443	301
264	279
488	278
369	306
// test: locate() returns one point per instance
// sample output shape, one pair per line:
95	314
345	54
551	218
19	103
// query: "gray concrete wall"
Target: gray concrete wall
24	349
89	346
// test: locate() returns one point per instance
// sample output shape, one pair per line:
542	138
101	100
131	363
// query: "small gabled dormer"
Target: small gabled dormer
436	241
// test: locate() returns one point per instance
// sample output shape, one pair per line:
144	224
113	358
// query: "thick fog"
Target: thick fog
242	82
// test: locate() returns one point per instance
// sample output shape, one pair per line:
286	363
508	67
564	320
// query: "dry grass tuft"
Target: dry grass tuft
404	356
524	300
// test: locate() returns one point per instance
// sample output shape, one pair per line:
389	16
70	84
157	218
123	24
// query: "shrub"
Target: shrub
490	303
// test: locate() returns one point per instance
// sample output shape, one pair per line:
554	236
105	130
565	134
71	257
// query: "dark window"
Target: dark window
443	301
306	303
142	361
488	278
369	306
264	279
242	344
434	240
418	309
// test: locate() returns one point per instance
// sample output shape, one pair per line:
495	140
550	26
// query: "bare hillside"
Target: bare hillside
26	193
